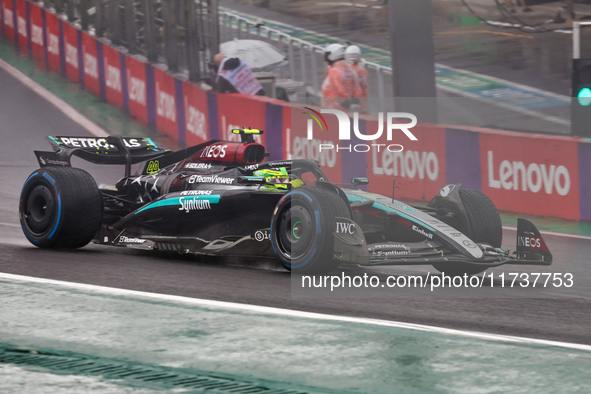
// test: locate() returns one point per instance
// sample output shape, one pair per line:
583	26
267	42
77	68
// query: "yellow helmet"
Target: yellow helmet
277	179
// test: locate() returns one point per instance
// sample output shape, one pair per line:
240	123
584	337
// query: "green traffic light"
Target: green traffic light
584	97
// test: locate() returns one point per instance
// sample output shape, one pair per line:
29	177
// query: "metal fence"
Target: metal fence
183	34
306	60
186	34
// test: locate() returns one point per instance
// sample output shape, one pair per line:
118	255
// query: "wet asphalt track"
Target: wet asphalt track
25	119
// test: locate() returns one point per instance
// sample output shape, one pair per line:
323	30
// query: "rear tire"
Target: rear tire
485	227
302	229
60	207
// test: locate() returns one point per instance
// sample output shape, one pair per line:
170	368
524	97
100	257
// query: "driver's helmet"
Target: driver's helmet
278	178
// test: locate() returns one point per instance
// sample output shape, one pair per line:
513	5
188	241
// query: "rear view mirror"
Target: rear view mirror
359	181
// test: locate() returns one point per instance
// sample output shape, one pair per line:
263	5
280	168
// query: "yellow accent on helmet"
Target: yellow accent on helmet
277	179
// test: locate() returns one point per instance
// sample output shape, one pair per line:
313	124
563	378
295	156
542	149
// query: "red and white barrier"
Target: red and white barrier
528	173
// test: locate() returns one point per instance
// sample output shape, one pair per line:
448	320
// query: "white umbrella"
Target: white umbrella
259	55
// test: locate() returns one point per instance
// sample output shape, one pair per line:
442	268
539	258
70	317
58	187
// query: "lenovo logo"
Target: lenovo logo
72	55
407	164
137	90
54	45
515	175
196	122
36	35
22	26
166	105
90	66
113	78
8	18
310	149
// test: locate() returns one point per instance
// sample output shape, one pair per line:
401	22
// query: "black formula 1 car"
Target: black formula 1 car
220	198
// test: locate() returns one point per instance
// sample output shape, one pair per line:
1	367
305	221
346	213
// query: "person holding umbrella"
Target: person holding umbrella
234	76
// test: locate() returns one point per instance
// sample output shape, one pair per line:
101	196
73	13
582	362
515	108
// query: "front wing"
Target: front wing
351	247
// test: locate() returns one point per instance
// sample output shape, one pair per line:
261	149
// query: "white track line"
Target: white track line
553	233
528	112
60	104
297	314
566	99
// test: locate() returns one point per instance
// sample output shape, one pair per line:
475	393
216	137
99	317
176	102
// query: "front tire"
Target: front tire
485	227
302	229
484	218
60	207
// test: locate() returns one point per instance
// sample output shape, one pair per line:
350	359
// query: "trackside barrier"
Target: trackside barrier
526	173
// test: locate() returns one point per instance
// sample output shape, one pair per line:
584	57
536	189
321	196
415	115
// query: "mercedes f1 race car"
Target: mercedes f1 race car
220	198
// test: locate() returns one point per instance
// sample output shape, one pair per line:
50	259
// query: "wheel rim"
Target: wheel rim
39	210
295	231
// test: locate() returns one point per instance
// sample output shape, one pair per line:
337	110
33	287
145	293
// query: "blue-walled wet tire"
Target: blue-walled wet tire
485	227
60	207
302	229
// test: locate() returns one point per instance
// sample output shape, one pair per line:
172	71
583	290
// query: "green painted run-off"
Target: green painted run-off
307	354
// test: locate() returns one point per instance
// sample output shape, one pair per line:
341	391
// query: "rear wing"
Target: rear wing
109	150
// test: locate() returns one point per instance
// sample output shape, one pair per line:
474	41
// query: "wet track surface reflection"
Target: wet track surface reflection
563	316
